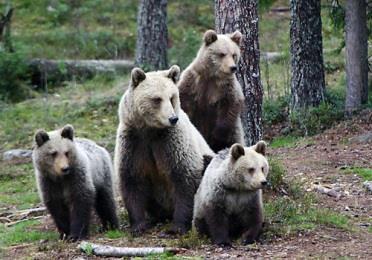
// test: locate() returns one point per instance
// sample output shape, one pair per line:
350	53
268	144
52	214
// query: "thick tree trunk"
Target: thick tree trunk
152	35
356	55
307	82
242	15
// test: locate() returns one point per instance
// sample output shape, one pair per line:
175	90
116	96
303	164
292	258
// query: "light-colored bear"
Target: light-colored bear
74	175
228	203
159	154
210	92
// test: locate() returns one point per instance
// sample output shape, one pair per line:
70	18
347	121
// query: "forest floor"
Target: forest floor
333	159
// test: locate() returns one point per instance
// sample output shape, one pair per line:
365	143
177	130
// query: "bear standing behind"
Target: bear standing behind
159	154
210	93
228	203
74	175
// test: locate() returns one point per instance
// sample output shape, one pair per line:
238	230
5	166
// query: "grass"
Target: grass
17	186
364	173
296	211
115	234
287	141
91	107
24	232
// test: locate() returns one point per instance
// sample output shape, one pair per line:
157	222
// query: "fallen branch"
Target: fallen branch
22	220
112	251
55	71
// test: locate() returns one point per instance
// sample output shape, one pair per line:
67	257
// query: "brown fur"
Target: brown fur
210	93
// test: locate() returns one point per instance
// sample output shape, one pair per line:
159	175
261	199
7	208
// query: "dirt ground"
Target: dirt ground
318	161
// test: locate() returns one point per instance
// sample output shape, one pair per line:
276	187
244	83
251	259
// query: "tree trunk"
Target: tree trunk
307	82
242	15
356	55
5	30
152	35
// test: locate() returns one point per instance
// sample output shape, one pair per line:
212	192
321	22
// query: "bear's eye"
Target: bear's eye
251	170
234	56
67	154
221	54
156	100
53	154
263	169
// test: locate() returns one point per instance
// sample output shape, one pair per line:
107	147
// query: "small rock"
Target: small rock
17	154
368	185
347	208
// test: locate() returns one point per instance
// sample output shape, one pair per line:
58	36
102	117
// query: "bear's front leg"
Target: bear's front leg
218	226
60	214
81	208
251	234
185	186
135	195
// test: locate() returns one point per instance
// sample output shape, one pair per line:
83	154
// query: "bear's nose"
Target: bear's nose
233	69
263	183
173	120
65	170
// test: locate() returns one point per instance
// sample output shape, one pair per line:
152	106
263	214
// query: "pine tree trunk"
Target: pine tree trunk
307	82
152	35
242	15
356	55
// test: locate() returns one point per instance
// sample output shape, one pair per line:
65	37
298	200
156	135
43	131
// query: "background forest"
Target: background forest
319	203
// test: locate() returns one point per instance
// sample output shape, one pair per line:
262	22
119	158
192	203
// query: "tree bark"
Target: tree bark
242	15
356	39
152	35
307	82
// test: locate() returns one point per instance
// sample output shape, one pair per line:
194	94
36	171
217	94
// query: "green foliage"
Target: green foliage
184	50
14	76
287	141
337	15
87	248
315	119
365	173
275	111
276	174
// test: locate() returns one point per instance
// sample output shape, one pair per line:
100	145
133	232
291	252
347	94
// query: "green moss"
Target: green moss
114	234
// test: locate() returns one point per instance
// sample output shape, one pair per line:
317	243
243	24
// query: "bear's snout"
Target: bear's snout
65	170
173	120
233	69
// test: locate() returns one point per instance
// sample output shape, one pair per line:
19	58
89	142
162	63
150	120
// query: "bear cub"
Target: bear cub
74	175
210	92
228	203
159	154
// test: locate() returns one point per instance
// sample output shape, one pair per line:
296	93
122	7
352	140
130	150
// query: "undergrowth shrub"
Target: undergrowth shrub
13	77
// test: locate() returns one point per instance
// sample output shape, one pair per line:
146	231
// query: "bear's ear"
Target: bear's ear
137	76
260	147
41	137
68	132
174	73
236	37
210	36
236	151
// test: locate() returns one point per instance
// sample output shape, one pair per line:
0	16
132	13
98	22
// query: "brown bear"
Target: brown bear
159	154
74	175
210	94
228	203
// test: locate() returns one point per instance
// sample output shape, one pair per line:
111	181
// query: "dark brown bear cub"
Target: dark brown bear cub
210	93
73	176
